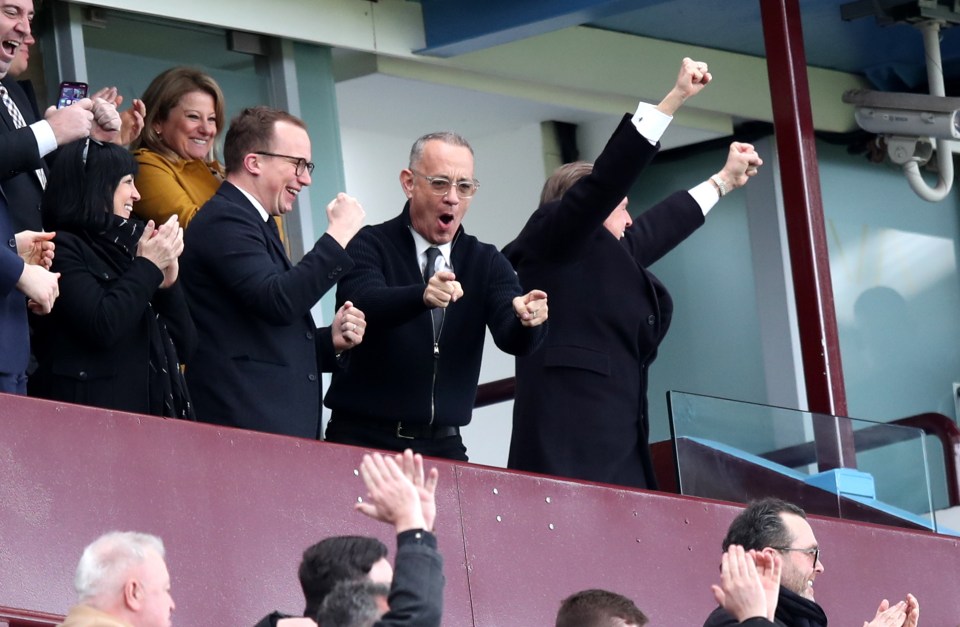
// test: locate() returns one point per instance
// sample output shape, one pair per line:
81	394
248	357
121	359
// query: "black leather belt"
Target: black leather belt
404	430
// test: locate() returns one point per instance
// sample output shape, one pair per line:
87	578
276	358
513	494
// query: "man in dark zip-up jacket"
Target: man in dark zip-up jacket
413	381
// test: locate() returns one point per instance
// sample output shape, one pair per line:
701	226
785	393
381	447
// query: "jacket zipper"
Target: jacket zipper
436	365
436	348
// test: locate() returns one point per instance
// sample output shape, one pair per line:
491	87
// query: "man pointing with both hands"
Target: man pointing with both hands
429	291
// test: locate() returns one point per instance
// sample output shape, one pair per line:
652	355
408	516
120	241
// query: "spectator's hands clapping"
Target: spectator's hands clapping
71	123
693	77
531	308
40	286
906	613
36	248
162	245
769	567
442	289
913	612
742	163
344	218
131	120
348	327
170	273
109	94
741	591
889	615
391	496
426	484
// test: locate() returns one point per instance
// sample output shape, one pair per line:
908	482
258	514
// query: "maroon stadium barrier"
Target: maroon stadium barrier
236	509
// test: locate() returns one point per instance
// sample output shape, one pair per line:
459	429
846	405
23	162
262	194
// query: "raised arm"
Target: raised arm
560	231
742	591
391	496
401	494
742	163
693	77
658	230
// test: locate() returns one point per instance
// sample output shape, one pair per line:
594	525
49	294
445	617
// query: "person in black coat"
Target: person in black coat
581	406
121	324
430	291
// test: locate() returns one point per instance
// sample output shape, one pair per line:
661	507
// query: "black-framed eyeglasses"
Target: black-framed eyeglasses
301	163
440	185
815	552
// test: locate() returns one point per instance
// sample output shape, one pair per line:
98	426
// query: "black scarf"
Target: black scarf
795	611
168	396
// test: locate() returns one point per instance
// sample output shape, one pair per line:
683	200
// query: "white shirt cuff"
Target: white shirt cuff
650	122
705	195
46	140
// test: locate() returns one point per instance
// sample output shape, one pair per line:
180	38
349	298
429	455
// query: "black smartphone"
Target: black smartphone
71	92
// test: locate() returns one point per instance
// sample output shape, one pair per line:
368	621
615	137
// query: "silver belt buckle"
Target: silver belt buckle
400	435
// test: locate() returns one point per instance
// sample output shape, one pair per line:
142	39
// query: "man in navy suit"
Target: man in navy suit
24	255
24	259
260	355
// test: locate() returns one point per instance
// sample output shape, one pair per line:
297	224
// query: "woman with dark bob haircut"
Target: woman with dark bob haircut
121	324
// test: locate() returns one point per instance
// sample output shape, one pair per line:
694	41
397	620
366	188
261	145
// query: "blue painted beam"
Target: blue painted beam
455	28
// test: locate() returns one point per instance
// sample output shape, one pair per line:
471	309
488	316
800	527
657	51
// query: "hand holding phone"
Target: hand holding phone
71	92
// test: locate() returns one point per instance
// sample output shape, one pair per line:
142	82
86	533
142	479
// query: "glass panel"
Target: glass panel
739	451
129	50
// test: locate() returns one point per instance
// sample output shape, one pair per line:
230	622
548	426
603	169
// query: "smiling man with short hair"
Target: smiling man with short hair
259	358
772	525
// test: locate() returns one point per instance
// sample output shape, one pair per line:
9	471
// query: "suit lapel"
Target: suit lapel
274	238
7	120
26	110
22	101
236	197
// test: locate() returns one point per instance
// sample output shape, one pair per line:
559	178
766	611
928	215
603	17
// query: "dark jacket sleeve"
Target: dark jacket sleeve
327	358
366	285
242	262
508	332
11	267
101	313
561	230
18	152
661	228
722	618
416	595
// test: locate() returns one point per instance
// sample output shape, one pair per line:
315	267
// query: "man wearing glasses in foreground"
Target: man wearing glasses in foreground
259	353
774	526
428	291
